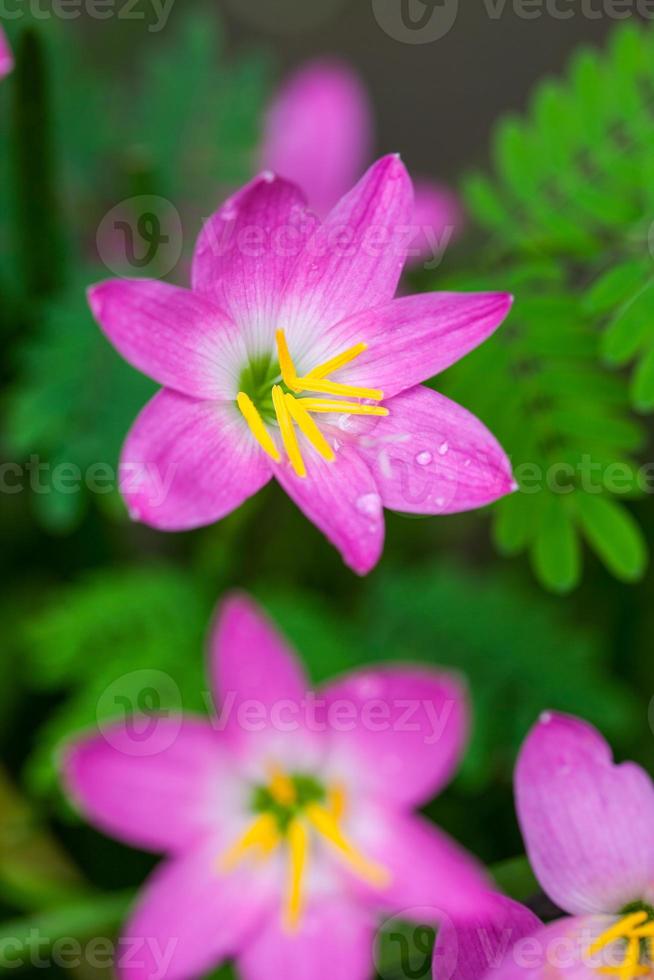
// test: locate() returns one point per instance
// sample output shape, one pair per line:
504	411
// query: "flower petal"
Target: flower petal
318	131
155	786
251	664
413	338
429	872
472	948
246	251
411	731
588	824
173	335
431	456
187	463
190	917
331	931
6	57
438	219
342	500
354	260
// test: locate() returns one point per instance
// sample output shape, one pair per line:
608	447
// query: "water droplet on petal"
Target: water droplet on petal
545	718
268	176
440	501
443	449
369	504
467	462
424	459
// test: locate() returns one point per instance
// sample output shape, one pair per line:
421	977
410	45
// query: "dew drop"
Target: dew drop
467	462
546	718
443	449
369	504
440	502
424	459
268	176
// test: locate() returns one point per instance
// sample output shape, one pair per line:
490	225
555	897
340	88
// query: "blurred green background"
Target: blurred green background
542	602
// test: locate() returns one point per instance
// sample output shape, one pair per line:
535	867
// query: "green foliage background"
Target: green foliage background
544	602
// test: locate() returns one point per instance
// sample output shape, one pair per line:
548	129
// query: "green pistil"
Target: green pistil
645	944
257	380
307	790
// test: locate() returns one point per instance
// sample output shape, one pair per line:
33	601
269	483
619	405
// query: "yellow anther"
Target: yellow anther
286	366
337	802
337	362
329	406
298	848
282	788
327	825
306	424
633	930
262	833
620	930
257	426
334	388
287	431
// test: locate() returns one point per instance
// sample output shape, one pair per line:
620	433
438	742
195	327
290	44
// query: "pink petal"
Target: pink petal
334	932
413	725
154	785
318	131
252	667
475	947
6	57
559	950
246	251
175	336
190	917
187	463
431	456
588	824
438	219
413	338
431	877
342	500
354	260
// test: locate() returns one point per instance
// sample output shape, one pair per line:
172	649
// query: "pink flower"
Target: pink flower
290	358
319	134
588	826
6	57
287	819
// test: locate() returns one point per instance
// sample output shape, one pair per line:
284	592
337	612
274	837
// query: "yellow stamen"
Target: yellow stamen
257	425
326	824
337	802
298	847
281	788
288	432
334	388
337	362
309	428
261	833
329	406
619	930
289	374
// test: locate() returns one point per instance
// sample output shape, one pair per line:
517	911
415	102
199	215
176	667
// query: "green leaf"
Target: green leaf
643	383
614	535
556	553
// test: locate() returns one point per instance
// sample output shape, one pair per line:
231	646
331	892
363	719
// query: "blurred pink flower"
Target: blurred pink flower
280	304
288	818
588	826
319	134
6	57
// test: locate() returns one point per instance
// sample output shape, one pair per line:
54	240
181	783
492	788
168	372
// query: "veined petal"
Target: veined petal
246	251
588	824
414	725
413	338
342	500
155	785
6	57
190	917
476	947
354	260
175	336
438	219
318	131
251	663
187	463
431	456
333	931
